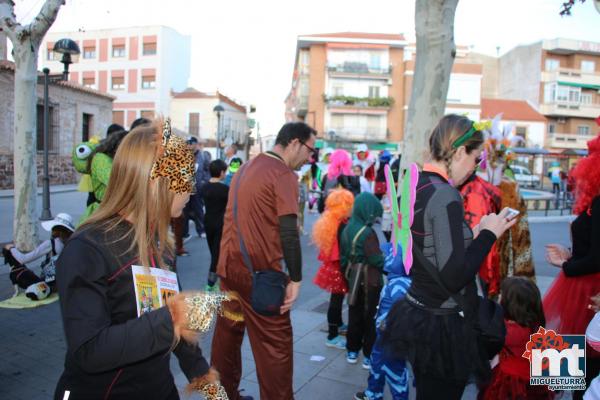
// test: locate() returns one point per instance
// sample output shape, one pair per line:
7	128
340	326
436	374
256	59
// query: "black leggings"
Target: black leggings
213	238
361	321
430	388
334	314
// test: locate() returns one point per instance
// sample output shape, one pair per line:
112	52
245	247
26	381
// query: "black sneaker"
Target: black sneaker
361	396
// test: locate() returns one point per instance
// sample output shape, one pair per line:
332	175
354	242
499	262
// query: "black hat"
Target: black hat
192	140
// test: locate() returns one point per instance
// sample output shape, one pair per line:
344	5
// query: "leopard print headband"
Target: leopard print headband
175	162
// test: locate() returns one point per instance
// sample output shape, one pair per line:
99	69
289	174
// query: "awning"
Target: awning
350	145
530	150
576	152
581	85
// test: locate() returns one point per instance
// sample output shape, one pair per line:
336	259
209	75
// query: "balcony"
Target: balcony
358	70
359	133
569	109
574	76
568	140
369	105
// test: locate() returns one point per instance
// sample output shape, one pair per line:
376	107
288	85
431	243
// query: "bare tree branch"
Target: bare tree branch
8	19
44	20
566	7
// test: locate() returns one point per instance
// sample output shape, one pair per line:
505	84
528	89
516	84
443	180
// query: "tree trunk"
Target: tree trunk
26	42
25	148
434	25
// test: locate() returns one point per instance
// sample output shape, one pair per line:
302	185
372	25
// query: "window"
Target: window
375	61
583	130
52	129
588	66
149	49
373	91
586	98
118	51
148	82
148	114
89	52
86	127
89	82
50	55
521	131
118	83
562	93
551	129
552	64
549	93
194	124
119	117
337	89
574	95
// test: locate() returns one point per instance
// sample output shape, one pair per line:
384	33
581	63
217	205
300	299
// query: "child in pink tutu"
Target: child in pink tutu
326	231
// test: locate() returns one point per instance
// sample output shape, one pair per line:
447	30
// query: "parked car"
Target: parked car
524	177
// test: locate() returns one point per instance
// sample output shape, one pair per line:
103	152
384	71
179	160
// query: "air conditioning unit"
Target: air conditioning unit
561	120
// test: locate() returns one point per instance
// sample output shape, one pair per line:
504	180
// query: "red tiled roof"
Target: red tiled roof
360	35
512	110
9	65
191	93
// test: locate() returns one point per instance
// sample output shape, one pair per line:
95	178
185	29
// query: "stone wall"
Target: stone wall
60	170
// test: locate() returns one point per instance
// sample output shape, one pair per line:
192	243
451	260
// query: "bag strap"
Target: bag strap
353	251
53	247
435	274
243	248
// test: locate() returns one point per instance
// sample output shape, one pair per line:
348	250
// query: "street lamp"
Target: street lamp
67	48
219	110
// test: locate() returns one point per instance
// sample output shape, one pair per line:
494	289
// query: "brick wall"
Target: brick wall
60	170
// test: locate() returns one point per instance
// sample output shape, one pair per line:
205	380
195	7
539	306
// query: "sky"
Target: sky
246	49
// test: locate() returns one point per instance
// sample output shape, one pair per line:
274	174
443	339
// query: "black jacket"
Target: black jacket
111	353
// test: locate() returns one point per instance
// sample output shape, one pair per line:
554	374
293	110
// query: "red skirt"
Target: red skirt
508	386
329	277
566	304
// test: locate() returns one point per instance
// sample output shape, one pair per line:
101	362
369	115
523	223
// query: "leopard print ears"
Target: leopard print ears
175	161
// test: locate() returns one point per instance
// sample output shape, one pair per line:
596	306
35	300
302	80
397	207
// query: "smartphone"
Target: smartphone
512	213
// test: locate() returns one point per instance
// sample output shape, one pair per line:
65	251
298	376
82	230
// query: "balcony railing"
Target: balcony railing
570	109
571	75
358	133
358	68
568	140
358	102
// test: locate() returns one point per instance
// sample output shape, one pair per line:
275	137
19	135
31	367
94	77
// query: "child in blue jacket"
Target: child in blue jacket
383	368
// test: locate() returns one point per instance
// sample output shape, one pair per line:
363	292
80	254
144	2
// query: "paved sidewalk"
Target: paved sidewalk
32	347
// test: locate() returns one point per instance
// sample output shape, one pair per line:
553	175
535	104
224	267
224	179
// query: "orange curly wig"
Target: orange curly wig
338	207
587	177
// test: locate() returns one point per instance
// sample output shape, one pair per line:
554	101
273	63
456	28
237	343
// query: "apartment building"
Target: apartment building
561	78
140	66
356	87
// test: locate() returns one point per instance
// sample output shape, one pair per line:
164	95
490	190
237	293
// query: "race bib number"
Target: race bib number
153	286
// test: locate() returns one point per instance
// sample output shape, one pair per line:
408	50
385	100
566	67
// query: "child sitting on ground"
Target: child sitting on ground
326	233
60	229
523	315
383	367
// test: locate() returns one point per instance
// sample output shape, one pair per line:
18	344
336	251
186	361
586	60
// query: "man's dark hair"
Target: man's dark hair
114	128
294	130
216	167
138	122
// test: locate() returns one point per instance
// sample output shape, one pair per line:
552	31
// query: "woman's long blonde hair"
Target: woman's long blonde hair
132	196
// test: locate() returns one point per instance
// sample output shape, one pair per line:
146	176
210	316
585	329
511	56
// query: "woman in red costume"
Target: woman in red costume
326	232
566	303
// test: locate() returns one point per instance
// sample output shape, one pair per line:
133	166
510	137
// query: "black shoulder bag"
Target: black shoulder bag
488	317
268	286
